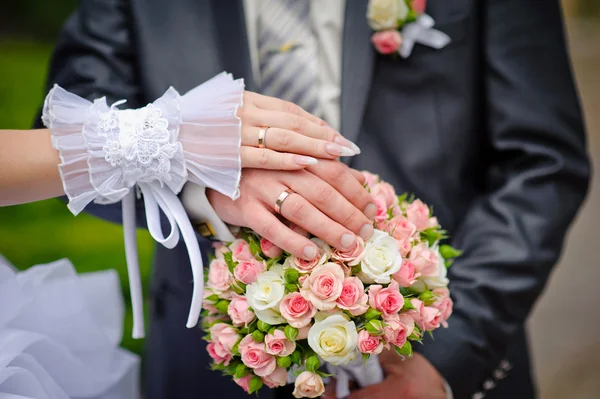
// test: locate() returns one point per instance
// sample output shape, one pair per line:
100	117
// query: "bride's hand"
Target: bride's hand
294	138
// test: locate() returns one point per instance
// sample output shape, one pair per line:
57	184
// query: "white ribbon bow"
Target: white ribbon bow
421	31
365	373
155	197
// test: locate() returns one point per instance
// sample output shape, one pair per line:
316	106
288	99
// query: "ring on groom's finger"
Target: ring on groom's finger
282	197
262	137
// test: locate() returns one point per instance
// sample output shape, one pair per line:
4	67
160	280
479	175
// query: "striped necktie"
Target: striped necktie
287	48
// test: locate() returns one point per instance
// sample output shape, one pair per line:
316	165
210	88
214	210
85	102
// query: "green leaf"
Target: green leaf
236	348
365	357
313	363
222	306
356	270
291	287
284	362
217	366
428	297
258	336
291	333
231	368
406	349
374	327
241	371
231	264
407	305
207	337
448	252
371	314
296	357
255	384
272	330
291	275
402	198
262	326
212	298
255	248
273	261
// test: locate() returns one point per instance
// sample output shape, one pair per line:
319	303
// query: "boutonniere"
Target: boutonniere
399	24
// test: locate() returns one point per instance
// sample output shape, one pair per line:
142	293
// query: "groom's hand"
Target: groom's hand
413	378
331	203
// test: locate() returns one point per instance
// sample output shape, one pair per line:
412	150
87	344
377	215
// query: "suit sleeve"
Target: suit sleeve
95	57
537	178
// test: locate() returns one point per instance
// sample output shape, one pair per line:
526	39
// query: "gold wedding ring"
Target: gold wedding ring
282	198
262	137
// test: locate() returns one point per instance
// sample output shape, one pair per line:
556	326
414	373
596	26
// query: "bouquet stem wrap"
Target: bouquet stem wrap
364	372
106	152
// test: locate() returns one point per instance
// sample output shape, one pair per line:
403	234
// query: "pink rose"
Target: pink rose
219	276
353	297
247	271
386	191
244	382
387	300
277	344
369	344
418	214
240	313
419	6
382	210
401	228
218	353
269	249
387	41
351	256
303	332
305	266
427	318
241	250
225	335
308	385
254	356
425	260
397	329
296	310
433	223
444	304
370	179
277	378
406	276
404	246
324	285
220	249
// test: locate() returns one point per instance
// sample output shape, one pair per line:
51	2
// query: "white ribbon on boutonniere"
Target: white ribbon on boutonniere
421	31
399	24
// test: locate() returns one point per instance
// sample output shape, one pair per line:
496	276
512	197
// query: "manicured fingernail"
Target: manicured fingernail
370	211
348	240
345	142
338	150
310	252
366	231
302	160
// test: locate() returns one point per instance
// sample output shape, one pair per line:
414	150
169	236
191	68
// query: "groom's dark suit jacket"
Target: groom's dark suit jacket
488	130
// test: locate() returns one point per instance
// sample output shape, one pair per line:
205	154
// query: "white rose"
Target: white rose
308	385
265	294
334	339
385	14
432	282
382	259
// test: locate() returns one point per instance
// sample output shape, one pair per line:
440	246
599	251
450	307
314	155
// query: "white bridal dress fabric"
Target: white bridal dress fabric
60	335
107	153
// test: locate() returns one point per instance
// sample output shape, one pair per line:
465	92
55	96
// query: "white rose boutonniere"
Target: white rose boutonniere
399	24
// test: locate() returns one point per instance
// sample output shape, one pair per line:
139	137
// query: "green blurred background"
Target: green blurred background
45	231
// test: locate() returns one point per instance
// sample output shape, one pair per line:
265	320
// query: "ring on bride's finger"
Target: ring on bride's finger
262	137
282	198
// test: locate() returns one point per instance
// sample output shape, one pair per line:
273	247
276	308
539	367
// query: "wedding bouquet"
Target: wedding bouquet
271	317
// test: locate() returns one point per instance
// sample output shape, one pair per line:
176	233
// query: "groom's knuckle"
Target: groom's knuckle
336	171
297	208
263	158
350	217
291	108
266	228
294	122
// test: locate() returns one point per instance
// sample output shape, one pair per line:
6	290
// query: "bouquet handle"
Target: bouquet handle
365	373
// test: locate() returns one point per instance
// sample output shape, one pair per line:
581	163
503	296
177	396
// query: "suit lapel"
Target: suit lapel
357	66
232	39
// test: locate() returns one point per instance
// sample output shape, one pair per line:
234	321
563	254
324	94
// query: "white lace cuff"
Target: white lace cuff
105	152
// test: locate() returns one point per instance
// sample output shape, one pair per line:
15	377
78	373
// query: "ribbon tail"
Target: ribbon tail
133	264
172	203
433	38
151	204
365	373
